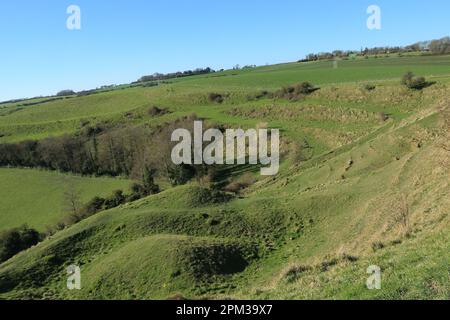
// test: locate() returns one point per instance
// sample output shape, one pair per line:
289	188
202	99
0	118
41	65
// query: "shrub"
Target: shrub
241	183
155	111
181	174
15	240
304	88
296	91
148	179
292	272
418	83
413	82
201	196
369	87
94	206
260	95
377	245
137	192
215	97
115	200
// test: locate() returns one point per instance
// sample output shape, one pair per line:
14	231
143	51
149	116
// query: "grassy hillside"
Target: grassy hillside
37	197
355	189
187	95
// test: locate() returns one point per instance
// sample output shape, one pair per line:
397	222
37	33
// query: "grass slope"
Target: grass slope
36	197
365	191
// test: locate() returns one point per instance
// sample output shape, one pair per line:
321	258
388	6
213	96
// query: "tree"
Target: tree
15	240
64	93
440	46
72	202
148	180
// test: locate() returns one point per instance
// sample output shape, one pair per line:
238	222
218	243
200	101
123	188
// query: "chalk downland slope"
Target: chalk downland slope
363	191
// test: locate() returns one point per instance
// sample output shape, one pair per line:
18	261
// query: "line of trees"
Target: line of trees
179	74
118	151
439	46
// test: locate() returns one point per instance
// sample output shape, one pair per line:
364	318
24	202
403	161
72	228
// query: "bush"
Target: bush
137	192
241	183
155	111
264	94
202	196
413	82
115	200
94	206
181	174
377	245
369	87
148	179
296	91
304	88
215	97
418	83
15	240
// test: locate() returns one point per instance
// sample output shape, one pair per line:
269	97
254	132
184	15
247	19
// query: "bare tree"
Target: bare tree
71	200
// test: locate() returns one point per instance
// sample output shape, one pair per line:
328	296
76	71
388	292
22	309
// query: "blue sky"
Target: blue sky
121	40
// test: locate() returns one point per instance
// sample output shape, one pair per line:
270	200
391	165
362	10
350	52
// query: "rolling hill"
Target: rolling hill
364	181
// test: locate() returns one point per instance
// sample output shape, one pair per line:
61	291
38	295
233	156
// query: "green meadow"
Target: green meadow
363	181
36	197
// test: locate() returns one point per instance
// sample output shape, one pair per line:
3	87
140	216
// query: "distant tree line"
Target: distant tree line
65	93
179	74
439	46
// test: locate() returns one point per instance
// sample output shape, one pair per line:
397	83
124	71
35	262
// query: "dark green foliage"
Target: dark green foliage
413	82
156	111
102	149
215	97
187	73
304	88
201	196
15	240
181	174
296	92
219	259
94	206
148	181
64	93
115	200
260	95
137	192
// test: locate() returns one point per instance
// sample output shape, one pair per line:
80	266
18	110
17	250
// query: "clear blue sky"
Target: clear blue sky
121	40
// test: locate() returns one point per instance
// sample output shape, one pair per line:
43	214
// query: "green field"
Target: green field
365	191
37	197
188	95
